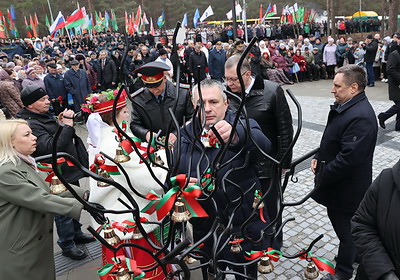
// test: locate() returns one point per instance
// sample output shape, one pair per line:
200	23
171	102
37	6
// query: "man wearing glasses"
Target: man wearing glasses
150	109
265	103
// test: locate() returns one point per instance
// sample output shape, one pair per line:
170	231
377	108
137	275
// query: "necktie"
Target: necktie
159	98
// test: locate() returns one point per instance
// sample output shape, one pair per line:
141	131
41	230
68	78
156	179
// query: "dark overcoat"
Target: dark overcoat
393	71
347	147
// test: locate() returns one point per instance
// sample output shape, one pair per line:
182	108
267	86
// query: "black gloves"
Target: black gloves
389	276
95	211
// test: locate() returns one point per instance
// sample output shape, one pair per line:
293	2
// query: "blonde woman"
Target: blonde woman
27	207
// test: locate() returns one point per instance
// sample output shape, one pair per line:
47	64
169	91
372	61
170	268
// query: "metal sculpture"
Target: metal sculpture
175	247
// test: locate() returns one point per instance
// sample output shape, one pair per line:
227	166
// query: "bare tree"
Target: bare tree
393	11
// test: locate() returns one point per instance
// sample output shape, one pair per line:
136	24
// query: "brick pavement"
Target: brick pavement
310	218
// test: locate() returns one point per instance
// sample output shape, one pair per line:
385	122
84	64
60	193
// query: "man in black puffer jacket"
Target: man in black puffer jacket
44	126
375	228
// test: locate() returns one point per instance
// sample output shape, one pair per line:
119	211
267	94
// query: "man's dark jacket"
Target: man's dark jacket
376	225
55	86
108	73
245	176
197	59
216	63
347	147
393	72
266	103
155	115
370	51
44	127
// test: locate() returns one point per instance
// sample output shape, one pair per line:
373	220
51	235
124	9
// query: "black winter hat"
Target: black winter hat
31	94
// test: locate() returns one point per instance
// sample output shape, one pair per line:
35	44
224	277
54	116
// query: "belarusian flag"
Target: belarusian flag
77	18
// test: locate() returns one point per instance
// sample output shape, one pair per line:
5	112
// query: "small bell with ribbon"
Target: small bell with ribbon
136	234
257	199
235	247
103	174
316	264
120	157
110	236
311	271
157	160
181	213
123	274
56	186
265	265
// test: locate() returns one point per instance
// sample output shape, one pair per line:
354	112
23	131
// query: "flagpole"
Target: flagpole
234	24
51	13
244	21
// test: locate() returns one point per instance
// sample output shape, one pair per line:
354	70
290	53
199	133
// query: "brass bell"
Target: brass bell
189	260
157	160
136	234
56	186
103	174
256	201
311	271
120	157
123	274
265	265
181	213
236	248
111	237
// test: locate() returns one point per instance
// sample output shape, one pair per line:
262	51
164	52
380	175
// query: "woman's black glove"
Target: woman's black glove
95	211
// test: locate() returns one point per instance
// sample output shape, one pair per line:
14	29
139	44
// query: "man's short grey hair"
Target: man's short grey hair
207	83
233	62
353	74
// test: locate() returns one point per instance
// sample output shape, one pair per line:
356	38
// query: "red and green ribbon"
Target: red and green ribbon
319	262
127	147
273	254
212	141
207	180
99	163
111	268
128	225
163	204
236	241
48	167
258	194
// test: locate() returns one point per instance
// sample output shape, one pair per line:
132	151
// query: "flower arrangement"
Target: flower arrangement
93	104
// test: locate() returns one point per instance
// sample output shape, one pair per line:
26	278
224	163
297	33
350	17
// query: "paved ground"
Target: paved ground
310	218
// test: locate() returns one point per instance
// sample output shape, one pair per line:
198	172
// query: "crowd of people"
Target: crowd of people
54	80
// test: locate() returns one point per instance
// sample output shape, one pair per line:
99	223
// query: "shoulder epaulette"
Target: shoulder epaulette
137	92
183	86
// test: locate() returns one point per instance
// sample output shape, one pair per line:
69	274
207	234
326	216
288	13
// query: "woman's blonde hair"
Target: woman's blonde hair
7	134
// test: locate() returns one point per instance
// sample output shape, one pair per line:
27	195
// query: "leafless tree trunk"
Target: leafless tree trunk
393	11
331	17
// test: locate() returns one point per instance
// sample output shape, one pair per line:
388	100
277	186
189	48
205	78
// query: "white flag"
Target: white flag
238	10
208	12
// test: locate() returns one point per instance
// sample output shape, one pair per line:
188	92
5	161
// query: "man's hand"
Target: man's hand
224	129
314	165
66	117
